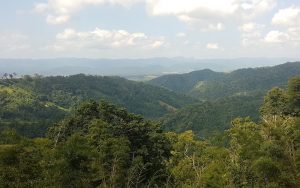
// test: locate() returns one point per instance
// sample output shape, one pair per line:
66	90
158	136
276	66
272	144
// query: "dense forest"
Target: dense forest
33	103
209	85
223	96
211	117
101	145
94	131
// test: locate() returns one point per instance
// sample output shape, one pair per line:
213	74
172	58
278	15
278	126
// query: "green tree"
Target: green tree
294	94
127	150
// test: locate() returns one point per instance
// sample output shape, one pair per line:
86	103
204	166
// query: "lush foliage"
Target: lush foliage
32	104
226	96
101	145
184	83
21	109
137	97
207	118
208	85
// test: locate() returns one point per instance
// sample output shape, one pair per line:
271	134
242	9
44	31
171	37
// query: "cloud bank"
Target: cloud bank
105	39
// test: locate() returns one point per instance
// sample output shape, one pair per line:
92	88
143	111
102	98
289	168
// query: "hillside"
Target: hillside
22	110
184	83
137	97
246	81
240	82
236	94
101	145
48	99
205	118
40	101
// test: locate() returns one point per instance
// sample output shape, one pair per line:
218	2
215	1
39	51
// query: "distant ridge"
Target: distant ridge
209	85
183	83
236	94
129	68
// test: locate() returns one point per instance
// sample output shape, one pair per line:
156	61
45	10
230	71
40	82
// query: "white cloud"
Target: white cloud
294	33
287	17
212	46
100	39
251	33
251	27
13	42
57	19
181	34
179	7
210	14
276	37
213	27
60	11
41	7
157	44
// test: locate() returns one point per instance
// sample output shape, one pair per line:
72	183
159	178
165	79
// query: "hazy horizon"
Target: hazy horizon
134	69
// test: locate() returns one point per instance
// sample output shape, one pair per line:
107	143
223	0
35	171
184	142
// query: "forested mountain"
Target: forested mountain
137	97
207	118
40	101
101	145
23	110
226	95
184	83
239	82
246	81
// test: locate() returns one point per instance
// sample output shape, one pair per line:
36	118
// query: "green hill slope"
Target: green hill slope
31	104
246	81
184	83
137	97
224	95
21	109
209	85
206	118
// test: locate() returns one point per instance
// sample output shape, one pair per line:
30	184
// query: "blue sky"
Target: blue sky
149	28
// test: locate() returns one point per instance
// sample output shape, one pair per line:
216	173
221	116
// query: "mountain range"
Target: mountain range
135	69
222	96
203	101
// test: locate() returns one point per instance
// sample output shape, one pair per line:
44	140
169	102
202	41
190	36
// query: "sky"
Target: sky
149	28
